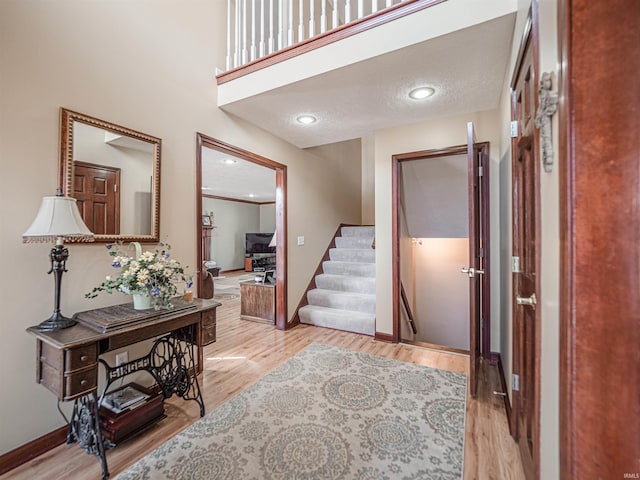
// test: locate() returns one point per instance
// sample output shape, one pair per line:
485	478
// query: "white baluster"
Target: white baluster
347	11
261	49
323	16
236	55
374	6
389	3
290	30
312	19
361	8
244	32
334	16
253	20
228	62
300	20
280	24
271	43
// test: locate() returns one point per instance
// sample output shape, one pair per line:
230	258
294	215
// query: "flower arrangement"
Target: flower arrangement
149	273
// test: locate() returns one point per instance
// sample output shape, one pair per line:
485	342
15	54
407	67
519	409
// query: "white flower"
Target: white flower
148	256
108	278
156	266
168	272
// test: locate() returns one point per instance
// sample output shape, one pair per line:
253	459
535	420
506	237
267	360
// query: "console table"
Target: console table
67	360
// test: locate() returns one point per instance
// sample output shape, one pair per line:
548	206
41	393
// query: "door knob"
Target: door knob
471	271
531	301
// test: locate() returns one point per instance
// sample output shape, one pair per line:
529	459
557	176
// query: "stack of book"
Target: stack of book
129	410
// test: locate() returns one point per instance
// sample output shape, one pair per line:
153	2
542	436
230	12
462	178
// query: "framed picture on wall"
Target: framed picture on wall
206	221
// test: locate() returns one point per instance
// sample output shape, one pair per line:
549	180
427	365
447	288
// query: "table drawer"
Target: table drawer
80	357
208	334
80	383
208	318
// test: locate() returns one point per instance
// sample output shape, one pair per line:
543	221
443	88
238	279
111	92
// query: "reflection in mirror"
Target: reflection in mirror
114	173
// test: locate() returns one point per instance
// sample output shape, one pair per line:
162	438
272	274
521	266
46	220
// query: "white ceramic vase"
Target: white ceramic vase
141	301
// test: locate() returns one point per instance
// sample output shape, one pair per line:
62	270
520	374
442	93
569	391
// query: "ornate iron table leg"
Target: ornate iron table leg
84	428
172	362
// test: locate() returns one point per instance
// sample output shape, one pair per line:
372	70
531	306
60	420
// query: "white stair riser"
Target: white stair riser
338	319
342	301
358	231
346	284
352	255
354	242
354	269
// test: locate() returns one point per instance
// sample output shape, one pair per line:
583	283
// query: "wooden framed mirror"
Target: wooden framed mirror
114	173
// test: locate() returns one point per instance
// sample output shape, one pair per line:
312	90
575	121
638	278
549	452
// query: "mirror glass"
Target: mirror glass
114	173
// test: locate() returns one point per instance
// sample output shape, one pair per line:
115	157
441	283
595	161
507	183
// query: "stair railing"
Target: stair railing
257	28
407	307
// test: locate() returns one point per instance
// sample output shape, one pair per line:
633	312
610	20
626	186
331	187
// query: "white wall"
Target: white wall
148	65
268	218
232	220
441	291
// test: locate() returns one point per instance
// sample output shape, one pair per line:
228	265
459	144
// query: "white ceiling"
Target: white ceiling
466	67
242	180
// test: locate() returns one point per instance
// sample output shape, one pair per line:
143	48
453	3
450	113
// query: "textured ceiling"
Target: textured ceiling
466	67
240	180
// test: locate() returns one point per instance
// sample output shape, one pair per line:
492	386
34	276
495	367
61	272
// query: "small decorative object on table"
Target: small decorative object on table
151	277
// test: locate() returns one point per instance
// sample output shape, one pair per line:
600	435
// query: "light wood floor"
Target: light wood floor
244	352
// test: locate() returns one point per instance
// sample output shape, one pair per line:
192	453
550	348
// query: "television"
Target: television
259	243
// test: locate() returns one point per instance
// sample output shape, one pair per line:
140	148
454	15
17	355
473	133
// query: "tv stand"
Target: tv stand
260	262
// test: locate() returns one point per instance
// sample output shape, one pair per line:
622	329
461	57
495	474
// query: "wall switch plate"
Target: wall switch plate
300	240
122	358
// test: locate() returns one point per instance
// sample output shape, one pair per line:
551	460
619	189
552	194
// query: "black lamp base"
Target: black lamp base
57	321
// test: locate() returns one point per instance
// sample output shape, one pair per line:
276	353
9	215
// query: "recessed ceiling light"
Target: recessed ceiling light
422	92
251	195
306	119
206	188
230	161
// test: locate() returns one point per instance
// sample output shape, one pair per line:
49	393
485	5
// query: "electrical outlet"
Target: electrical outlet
122	358
300	240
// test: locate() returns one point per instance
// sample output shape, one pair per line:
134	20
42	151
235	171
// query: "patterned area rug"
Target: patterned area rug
327	413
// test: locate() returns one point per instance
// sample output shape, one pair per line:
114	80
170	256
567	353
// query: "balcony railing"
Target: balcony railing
260	28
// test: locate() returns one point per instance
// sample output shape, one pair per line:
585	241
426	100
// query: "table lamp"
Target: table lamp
57	220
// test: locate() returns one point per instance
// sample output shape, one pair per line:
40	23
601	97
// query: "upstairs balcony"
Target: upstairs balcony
350	63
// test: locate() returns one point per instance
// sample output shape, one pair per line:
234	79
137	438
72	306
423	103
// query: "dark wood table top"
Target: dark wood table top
144	325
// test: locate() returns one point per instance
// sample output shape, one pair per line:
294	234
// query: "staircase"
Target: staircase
345	295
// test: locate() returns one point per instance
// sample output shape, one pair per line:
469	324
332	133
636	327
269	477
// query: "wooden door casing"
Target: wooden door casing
480	332
599	155
97	191
526	281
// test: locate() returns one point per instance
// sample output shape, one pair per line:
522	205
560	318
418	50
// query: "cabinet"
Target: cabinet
258	301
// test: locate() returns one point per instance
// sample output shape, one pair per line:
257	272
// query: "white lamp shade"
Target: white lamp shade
273	243
58	217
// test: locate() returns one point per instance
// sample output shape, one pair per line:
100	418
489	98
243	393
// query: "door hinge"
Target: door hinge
480	252
515	264
115	187
480	171
515	380
514	128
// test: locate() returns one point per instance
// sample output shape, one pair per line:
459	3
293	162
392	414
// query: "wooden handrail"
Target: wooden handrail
405	302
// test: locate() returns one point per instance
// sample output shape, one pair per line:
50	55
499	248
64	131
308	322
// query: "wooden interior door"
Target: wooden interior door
526	283
475	271
97	191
